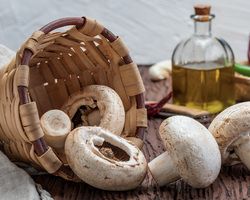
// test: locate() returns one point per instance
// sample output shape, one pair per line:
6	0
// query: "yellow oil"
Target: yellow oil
211	89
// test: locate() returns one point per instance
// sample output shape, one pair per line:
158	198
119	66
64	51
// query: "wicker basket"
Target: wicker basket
48	68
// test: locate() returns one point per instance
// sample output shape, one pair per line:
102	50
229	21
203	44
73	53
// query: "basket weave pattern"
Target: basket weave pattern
49	67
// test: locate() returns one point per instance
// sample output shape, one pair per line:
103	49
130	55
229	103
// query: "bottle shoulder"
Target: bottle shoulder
203	49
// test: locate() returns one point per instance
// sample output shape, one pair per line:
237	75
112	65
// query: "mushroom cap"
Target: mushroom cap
111	110
193	150
230	128
123	168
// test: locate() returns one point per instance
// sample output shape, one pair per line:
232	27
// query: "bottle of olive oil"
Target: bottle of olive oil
203	75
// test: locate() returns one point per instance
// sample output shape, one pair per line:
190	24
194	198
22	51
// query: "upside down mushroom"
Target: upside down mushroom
193	154
104	160
231	129
96	105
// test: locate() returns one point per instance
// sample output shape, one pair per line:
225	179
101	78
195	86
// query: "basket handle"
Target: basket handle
77	21
40	145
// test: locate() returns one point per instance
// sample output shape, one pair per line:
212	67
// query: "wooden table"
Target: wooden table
232	183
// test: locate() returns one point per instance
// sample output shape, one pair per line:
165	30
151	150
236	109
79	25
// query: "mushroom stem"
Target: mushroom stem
243	151
56	126
163	169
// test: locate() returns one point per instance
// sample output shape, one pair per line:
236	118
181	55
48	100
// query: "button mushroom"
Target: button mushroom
104	160
56	126
231	129
96	105
193	153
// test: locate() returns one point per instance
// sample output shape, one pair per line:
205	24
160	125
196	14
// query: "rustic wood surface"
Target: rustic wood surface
232	183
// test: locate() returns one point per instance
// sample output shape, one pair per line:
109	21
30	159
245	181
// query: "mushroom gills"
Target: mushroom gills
112	152
94	118
96	105
86	116
104	160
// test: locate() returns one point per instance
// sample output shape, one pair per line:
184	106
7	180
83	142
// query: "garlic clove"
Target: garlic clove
161	70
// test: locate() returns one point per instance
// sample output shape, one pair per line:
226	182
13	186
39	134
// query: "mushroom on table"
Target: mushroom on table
231	129
193	154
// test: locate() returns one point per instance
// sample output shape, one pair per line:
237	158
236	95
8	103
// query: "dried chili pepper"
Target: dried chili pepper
154	108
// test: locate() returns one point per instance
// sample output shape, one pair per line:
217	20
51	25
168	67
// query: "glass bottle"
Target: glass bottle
203	75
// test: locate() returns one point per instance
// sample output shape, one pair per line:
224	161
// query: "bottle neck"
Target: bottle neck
202	28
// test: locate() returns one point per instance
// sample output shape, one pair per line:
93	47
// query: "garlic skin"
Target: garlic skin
104	160
161	70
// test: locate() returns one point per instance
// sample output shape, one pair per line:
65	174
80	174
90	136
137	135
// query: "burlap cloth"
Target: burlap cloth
15	183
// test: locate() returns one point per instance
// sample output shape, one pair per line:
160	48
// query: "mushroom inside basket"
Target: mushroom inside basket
52	68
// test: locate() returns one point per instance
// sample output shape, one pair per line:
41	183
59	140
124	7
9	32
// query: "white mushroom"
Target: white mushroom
56	126
231	129
161	70
96	105
193	153
104	160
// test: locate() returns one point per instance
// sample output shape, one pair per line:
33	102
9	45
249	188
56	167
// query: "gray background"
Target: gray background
150	28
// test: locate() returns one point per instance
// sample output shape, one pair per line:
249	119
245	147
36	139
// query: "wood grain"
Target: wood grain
232	183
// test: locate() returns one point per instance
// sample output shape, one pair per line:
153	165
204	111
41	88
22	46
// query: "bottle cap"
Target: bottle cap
202	9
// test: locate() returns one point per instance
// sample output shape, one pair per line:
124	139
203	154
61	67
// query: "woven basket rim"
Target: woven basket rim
40	145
